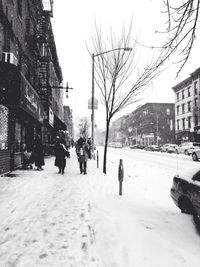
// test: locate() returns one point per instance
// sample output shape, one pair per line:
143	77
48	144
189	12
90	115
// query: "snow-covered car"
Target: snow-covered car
185	192
168	148
164	147
118	145
196	154
187	148
172	148
152	148
133	146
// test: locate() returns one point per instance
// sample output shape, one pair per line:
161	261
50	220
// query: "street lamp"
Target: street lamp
92	115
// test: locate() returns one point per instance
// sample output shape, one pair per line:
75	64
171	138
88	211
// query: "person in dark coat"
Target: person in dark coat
38	156
80	141
82	151
61	152
89	141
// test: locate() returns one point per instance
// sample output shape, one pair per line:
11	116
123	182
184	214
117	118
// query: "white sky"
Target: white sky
73	25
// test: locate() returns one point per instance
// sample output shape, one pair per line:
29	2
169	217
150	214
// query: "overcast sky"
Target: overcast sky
73	25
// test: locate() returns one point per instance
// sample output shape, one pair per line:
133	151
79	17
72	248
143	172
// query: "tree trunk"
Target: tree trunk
106	146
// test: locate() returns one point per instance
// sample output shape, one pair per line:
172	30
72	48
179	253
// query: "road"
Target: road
173	162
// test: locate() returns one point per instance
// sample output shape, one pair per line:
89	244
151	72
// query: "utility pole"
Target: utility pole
92	115
157	128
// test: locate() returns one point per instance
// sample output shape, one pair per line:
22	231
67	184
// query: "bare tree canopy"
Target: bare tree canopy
83	126
122	73
182	24
119	73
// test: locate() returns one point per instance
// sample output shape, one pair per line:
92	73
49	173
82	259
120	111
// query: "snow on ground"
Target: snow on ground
48	219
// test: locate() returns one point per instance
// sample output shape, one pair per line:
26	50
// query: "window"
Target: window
195	88
17	137
196	177
177	110
178	126
183	123
19	7
183	95
183	108
196	120
177	96
188	90
189	122
168	111
189	105
195	101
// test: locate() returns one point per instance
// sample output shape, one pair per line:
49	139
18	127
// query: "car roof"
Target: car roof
188	174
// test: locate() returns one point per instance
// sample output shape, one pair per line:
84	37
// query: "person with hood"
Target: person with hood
82	151
61	151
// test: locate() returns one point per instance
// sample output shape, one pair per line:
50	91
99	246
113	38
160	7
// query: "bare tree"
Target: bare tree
84	127
119	75
182	23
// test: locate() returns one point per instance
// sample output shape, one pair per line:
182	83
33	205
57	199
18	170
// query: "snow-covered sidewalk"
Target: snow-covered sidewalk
45	217
75	220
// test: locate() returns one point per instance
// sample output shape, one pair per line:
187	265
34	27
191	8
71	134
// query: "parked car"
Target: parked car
168	148
134	146
196	154
137	146
172	148
152	148
118	145
164	147
185	192
187	147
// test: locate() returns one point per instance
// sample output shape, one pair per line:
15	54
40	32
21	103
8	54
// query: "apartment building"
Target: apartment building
29	77
149	124
187	109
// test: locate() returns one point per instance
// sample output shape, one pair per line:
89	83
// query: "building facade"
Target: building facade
68	118
29	71
187	108
149	124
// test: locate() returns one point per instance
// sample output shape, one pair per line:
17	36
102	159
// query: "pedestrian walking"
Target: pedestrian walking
38	156
82	151
89	142
61	152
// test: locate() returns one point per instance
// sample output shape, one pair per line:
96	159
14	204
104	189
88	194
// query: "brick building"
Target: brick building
149	124
29	71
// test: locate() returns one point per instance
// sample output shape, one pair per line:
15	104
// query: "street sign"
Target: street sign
95	103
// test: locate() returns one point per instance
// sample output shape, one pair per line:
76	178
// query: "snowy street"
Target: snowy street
49	219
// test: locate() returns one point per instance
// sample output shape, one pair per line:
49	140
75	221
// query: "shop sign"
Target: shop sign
29	100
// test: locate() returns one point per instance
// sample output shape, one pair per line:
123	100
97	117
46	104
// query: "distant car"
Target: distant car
168	148
172	148
152	148
134	146
196	154
164	147
118	145
187	148
185	192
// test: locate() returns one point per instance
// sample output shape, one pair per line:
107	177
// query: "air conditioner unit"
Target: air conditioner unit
9	58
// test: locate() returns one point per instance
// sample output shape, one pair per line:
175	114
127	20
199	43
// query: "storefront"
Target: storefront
24	116
4	151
